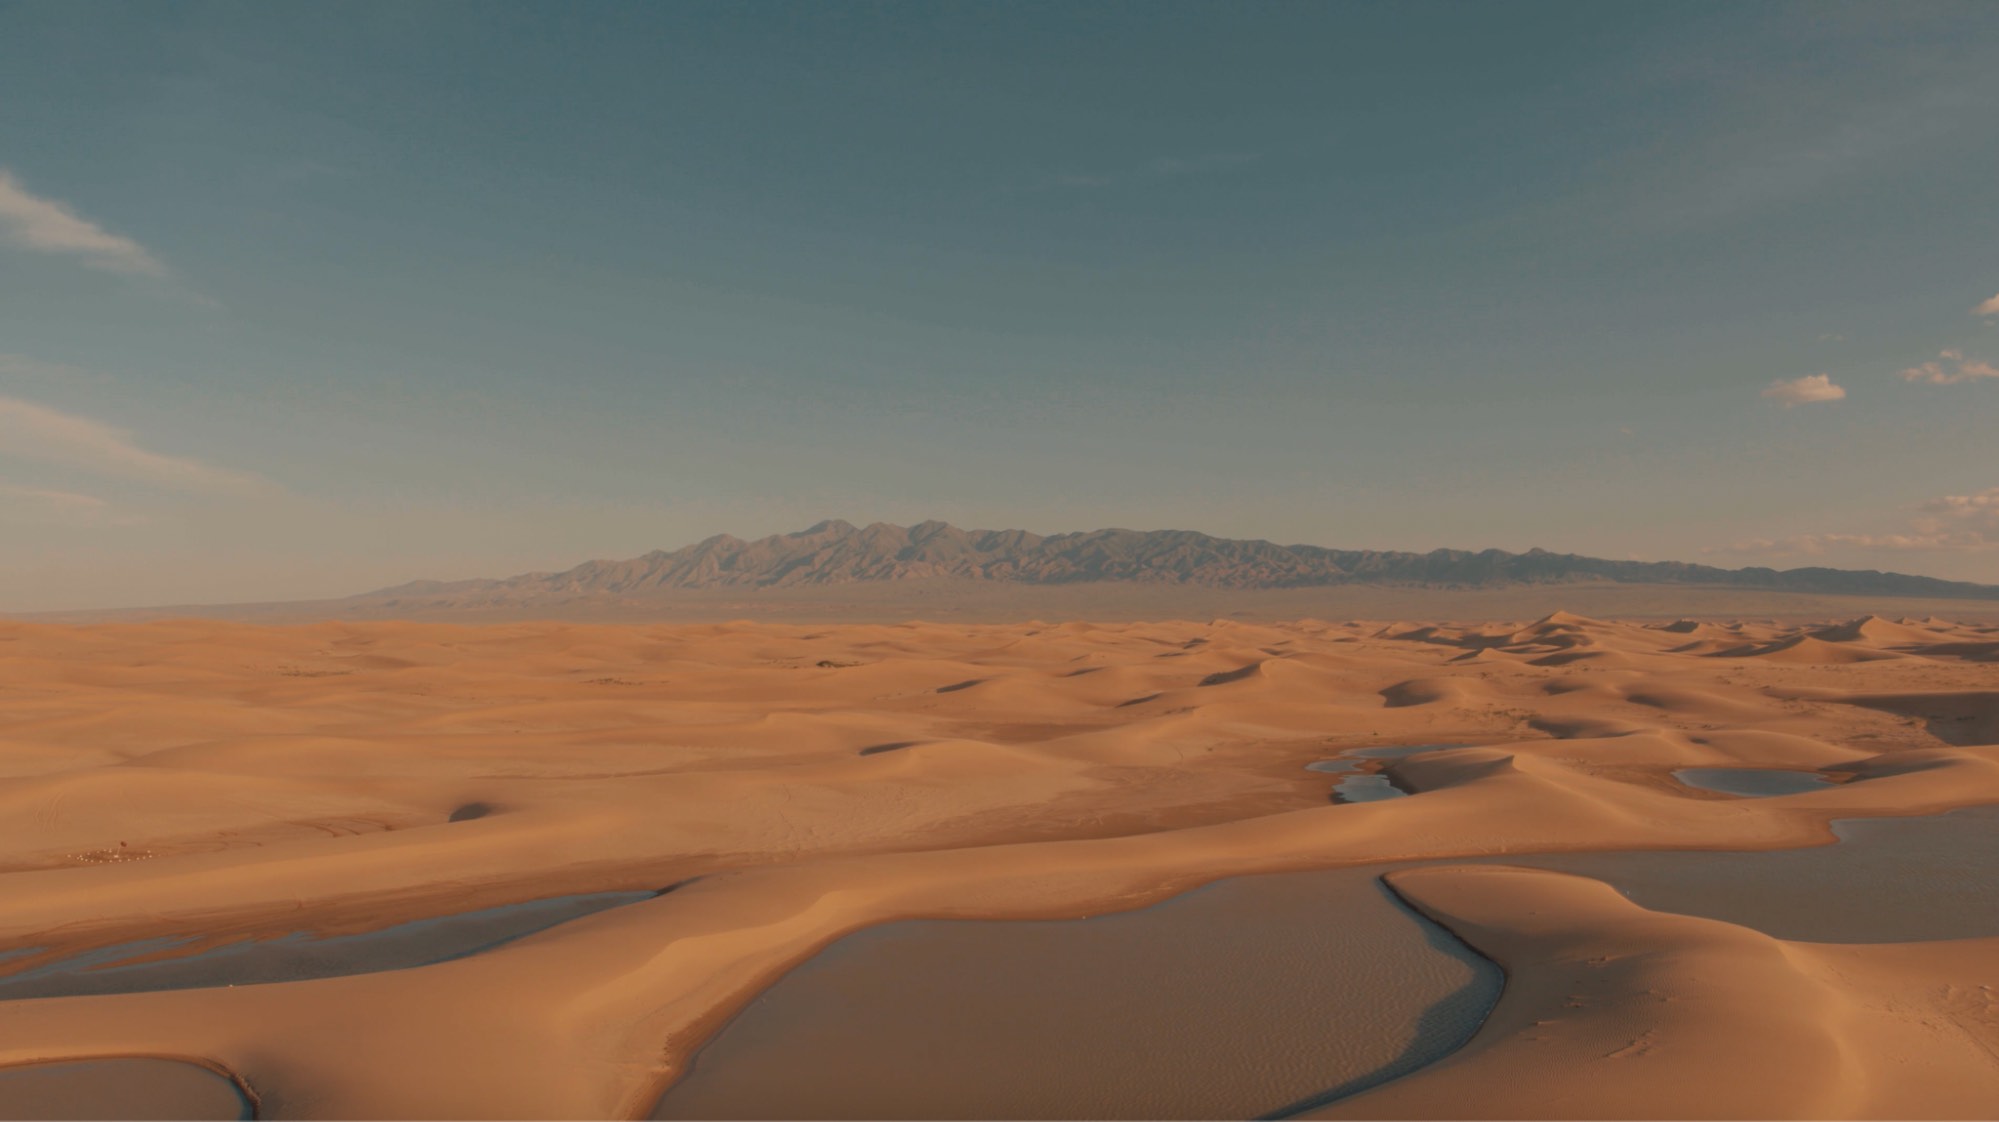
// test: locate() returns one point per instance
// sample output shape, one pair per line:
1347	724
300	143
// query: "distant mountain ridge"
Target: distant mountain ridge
836	552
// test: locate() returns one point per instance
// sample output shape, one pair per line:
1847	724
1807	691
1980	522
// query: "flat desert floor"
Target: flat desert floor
536	870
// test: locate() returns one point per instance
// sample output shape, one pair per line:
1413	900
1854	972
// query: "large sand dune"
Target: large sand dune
186	785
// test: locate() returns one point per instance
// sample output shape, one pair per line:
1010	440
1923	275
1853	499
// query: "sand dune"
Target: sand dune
212	782
1682	1017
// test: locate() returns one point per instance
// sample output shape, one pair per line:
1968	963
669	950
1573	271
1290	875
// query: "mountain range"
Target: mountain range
836	552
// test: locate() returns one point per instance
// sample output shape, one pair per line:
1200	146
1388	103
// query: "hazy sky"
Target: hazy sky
305	299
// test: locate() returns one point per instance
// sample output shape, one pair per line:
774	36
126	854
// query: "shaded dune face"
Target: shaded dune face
195	801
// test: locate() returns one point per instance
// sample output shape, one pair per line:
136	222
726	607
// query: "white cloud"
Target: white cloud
54	500
1952	524
1963	521
1799	545
1948	369
45	506
1804	391
50	226
1989	308
38	433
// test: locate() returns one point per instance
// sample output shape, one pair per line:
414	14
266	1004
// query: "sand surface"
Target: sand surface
192	785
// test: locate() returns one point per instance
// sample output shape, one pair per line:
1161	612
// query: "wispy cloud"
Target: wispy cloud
1948	369
50	226
1776	104
66	508
57	500
1808	390
21	366
1953	523
50	436
1989	308
1165	167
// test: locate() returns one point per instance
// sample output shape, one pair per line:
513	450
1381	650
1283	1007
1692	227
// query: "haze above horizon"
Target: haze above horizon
303	300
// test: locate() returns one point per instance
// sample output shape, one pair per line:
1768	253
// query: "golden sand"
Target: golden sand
215	781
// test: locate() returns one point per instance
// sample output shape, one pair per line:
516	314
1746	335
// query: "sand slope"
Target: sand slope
1646	1014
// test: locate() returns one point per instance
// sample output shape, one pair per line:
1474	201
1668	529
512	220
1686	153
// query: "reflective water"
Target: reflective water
1370	787
300	954
1258	995
125	1087
1366	789
1752	782
1252	996
1889	880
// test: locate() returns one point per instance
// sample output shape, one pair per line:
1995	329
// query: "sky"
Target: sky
301	300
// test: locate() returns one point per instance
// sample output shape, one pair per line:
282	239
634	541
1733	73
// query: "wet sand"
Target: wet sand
190	785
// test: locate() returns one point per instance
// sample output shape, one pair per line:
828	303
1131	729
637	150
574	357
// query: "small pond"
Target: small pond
150	964
1253	996
1752	782
1358	787
121	1087
1888	880
1257	996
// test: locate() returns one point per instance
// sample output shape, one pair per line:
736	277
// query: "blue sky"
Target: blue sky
301	300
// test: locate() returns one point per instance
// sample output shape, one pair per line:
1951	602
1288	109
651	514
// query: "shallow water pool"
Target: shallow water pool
120	1087
299	955
1752	782
1366	789
1249	997
1370	787
1888	880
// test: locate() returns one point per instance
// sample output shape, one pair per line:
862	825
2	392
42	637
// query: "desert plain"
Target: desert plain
544	870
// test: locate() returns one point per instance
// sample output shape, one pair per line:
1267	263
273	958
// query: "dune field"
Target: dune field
533	870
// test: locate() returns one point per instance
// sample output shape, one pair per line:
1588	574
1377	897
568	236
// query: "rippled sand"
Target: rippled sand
202	784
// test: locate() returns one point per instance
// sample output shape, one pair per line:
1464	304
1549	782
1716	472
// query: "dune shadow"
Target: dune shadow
1404	695
1224	677
1967	718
